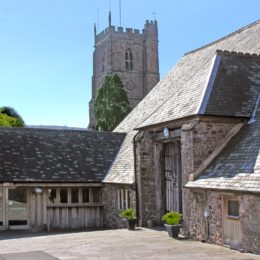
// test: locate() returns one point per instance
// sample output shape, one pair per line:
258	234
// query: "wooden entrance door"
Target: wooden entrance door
232	230
172	176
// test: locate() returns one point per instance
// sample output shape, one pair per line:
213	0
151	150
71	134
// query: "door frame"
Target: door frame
176	143
226	218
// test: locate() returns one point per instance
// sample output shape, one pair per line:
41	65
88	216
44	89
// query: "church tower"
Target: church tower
132	55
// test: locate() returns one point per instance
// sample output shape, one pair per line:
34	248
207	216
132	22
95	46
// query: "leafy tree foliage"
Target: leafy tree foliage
10	118
111	104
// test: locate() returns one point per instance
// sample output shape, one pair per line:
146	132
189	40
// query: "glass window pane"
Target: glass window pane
131	56
74	196
17	206
63	196
52	196
233	208
131	65
96	195
85	194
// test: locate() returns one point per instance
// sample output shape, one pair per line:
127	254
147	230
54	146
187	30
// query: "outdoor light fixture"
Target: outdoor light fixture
38	190
166	132
206	213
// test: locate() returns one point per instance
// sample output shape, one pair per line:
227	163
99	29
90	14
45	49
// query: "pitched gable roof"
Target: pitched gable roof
227	85
245	40
28	155
177	82
237	168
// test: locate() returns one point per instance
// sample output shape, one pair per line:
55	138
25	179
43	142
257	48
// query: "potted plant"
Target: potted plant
172	223
130	216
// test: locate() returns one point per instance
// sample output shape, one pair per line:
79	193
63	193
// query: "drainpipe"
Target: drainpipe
136	186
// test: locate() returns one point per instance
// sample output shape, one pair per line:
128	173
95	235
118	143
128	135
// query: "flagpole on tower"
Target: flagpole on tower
120	12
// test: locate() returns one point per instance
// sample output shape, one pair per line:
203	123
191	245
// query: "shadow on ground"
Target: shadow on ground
39	255
16	234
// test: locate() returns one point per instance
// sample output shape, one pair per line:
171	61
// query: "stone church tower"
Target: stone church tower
132	55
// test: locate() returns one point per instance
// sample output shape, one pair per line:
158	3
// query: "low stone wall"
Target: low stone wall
111	218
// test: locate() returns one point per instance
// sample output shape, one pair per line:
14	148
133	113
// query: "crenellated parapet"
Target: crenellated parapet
125	33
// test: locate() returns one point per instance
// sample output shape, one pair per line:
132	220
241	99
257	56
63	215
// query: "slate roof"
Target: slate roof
44	155
226	85
124	163
237	168
185	85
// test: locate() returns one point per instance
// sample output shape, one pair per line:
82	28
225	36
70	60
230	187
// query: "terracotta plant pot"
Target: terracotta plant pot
173	230
131	224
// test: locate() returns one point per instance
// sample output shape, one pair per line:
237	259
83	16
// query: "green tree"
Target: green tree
111	104
10	118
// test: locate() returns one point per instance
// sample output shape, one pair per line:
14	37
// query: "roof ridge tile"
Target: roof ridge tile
247	54
223	38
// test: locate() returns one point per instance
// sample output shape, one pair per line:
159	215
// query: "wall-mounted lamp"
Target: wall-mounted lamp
38	190
166	132
206	213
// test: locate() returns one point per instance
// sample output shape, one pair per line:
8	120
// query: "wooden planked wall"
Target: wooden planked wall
44	216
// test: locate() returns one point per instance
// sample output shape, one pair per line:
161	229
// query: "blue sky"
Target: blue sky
46	46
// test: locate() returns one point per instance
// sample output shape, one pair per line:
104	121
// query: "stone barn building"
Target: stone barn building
132	55
193	142
191	145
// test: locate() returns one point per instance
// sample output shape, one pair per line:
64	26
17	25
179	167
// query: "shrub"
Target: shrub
128	214
172	218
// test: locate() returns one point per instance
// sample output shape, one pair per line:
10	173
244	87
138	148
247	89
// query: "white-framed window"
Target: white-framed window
123	199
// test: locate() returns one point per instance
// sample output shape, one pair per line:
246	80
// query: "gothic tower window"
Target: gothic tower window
129	60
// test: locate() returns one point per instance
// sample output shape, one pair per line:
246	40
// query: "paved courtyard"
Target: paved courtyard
109	244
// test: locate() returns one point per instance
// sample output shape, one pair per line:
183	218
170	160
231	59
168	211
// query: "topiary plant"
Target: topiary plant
172	218
128	214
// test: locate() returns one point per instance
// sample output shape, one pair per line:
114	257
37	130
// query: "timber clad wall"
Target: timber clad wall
43	215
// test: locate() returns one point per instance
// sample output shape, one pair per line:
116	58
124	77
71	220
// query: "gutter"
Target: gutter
135	174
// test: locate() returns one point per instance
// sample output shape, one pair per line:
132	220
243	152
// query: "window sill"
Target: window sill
233	217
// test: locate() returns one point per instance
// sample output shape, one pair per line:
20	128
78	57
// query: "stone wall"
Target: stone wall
146	180
199	227
211	230
110	200
250	222
199	138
